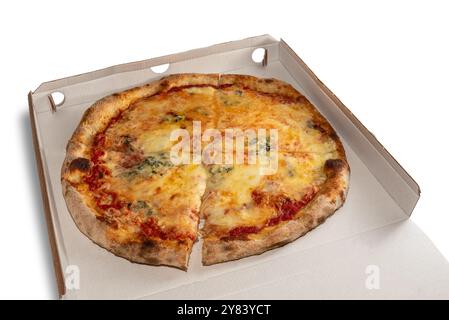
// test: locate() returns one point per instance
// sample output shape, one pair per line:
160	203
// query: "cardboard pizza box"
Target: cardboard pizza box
368	249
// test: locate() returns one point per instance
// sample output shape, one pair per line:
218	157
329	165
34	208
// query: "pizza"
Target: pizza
242	163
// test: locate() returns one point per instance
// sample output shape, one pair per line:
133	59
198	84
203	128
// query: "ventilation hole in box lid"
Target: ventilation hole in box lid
160	68
258	55
57	98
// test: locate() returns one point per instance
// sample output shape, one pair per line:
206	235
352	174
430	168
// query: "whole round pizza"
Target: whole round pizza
242	163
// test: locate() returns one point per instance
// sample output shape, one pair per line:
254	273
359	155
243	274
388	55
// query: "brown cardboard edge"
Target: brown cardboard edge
364	130
50	227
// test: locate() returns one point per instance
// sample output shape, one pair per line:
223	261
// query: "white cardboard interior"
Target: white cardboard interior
371	229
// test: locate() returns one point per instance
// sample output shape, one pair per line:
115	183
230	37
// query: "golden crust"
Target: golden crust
265	85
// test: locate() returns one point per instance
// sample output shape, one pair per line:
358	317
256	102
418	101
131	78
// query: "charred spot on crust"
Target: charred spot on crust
321	220
268	80
301	99
165	84
334	165
333	135
228	247
148	244
316	126
183	242
81	164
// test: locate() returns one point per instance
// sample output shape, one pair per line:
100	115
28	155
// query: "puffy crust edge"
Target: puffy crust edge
330	198
265	85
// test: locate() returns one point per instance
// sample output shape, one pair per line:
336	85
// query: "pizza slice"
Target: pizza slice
267	211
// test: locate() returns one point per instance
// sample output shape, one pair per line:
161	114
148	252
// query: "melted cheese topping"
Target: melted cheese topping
246	109
151	121
229	203
148	186
172	194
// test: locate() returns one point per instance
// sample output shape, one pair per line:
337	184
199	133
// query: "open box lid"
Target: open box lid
369	238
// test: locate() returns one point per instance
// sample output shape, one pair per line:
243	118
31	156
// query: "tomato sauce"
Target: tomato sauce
105	199
286	209
94	180
151	229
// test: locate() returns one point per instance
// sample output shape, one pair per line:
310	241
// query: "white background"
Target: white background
388	62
